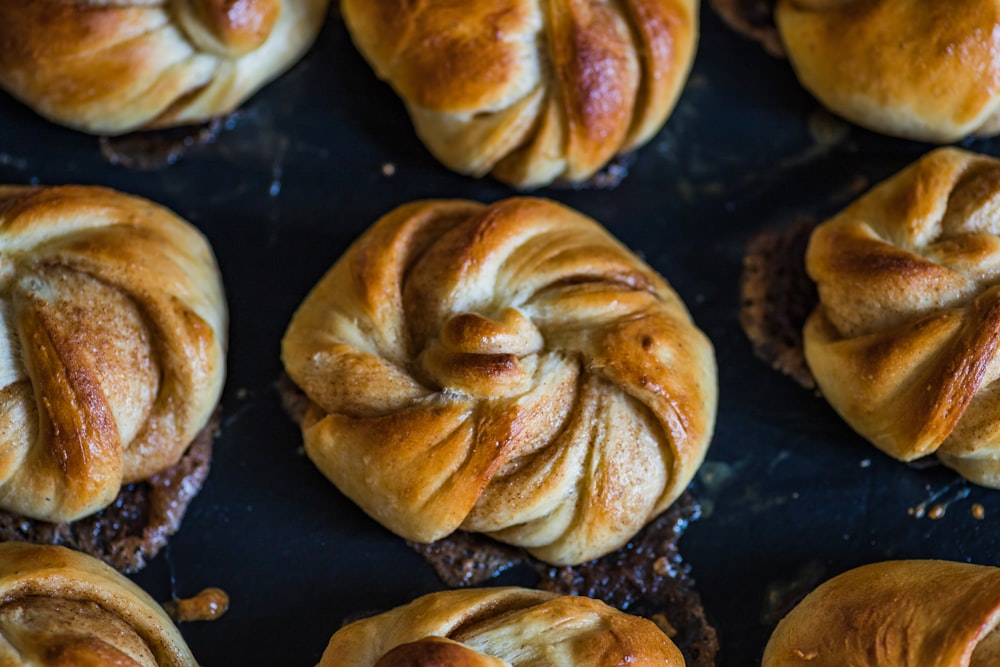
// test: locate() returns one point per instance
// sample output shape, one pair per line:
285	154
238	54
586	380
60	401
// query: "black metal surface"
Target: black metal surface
791	493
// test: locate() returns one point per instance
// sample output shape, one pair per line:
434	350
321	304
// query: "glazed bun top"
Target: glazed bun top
114	66
531	90
508	369
60	608
908	68
112	353
905	338
913	613
501	627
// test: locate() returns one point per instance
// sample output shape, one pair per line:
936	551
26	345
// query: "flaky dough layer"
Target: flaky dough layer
507	369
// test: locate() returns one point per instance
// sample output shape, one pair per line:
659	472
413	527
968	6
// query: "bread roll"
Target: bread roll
114	66
532	91
904	340
909	68
508	369
501	627
918	613
112	348
59	607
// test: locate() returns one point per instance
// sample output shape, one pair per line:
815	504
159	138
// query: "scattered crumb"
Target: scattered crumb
388	169
866	463
663	624
936	512
978	511
242	393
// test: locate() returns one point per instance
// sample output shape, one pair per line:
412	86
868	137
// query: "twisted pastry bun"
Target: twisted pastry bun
501	627
114	66
112	346
508	369
904	340
921	70
60	607
530	90
917	613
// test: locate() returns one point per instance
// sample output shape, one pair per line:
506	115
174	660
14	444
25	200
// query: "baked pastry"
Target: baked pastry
904	340
60	607
508	369
921	70
112	356
531	90
501	627
114	67
895	614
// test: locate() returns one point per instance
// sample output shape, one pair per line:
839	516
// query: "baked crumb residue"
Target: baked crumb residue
131	530
646	577
777	296
148	150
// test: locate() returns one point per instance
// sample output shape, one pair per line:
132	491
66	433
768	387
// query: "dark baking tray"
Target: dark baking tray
790	494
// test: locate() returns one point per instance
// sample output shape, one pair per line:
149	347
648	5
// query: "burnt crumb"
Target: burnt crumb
646	577
609	177
468	559
149	150
777	297
132	529
753	19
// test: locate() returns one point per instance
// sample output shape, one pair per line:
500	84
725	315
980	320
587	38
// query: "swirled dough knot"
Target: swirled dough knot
508	369
530	90
921	70
115	66
913	613
112	344
59	607
501	627
905	338
484	357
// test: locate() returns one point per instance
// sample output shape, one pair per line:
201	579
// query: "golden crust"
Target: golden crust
904	341
894	614
909	68
115	67
112	353
508	369
60	607
530	91
502	627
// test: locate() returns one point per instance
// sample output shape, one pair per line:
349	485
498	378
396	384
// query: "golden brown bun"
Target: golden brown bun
110	67
112	348
908	68
507	369
501	627
904	341
531	91
62	608
895	614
